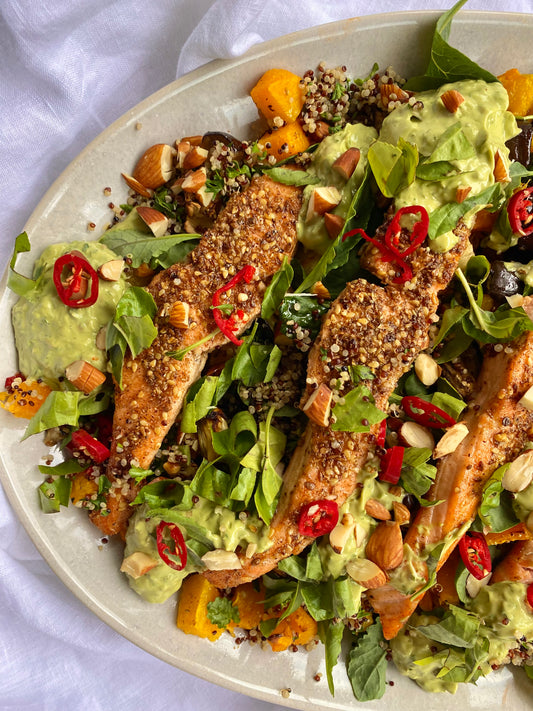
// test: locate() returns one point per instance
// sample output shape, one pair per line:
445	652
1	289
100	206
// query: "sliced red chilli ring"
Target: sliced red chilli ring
475	554
318	518
417	234
391	465
520	212
178	550
425	413
74	278
229	325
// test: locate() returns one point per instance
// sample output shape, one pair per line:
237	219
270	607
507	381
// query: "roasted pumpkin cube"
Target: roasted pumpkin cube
278	94
196	592
285	141
520	89
249	603
25	397
82	487
298	628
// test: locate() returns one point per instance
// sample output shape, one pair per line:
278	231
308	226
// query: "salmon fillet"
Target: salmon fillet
257	227
381	328
498	428
517	566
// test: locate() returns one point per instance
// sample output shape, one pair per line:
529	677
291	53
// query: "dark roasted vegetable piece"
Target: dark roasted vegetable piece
501	281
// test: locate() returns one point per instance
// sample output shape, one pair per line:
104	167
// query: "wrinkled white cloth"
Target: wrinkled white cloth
67	70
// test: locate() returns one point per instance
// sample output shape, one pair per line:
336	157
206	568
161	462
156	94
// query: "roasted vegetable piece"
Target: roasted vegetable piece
82	487
520	89
24	398
278	93
196	592
249	602
285	141
298	628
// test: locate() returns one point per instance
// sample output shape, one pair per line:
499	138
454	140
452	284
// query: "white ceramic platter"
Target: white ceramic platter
216	97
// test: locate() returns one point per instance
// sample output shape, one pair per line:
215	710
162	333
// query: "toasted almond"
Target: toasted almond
100	340
392	92
193	140
527	399
515	300
183	147
322	200
111	270
156	166
144	270
156	221
220	559
196	157
462	192
318	405
250	550
84	376
385	545
360	534
347	162
137	564
375	508
194	181
450	440
179	315
452	99
416	435
320	290
519	474
204	196
427	369
473	585
135	185
402	515
340	535
172	468
334	224
501	173
366	573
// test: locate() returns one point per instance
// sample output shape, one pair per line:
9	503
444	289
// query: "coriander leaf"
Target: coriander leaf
394	167
55	493
287	176
19	284
277	289
367	664
447	64
357	412
360	372
221	612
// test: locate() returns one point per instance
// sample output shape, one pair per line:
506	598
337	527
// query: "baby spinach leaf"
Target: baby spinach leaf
445	218
394	167
55	493
496	509
417	476
302	311
287	176
447	64
70	466
367	664
331	633
457	628
255	362
357	412
199	402
18	283
277	289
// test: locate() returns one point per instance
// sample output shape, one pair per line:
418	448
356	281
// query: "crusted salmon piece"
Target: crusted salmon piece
517	566
258	228
498	429
383	329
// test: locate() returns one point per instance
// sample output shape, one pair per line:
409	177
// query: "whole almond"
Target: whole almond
385	545
375	508
156	166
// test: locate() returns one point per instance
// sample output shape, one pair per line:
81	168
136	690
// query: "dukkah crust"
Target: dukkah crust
258	228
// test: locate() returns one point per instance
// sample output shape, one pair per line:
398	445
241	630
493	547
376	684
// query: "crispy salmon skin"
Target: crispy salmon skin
258	228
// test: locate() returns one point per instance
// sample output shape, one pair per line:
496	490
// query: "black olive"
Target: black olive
502	282
520	146
211	137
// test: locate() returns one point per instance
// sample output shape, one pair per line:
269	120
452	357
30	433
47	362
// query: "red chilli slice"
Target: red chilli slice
425	413
391	465
73	278
94	449
475	554
529	594
318	518
179	548
228	326
520	212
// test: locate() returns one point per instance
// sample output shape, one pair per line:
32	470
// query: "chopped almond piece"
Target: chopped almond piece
194	181
156	221
135	185
179	314
111	270
334	224
347	162
195	158
452	99
84	376
156	166
318	406
322	200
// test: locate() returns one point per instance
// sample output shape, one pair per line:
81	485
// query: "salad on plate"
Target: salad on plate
299	374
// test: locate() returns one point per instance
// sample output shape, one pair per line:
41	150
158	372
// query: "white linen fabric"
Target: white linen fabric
67	70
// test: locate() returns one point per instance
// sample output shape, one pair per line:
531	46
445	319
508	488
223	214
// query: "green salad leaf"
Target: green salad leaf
367	664
18	283
55	493
277	289
458	628
331	633
356	411
496	509
394	167
447	64
288	176
66	408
